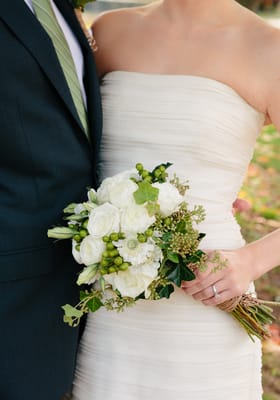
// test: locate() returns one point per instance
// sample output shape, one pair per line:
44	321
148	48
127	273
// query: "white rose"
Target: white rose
109	185
135	219
121	195
169	198
134	281
91	250
104	220
88	275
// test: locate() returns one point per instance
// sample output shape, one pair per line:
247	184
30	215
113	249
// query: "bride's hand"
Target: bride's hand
215	287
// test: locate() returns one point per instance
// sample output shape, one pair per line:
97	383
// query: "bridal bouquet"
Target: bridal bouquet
137	239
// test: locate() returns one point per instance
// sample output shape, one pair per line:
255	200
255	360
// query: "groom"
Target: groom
50	126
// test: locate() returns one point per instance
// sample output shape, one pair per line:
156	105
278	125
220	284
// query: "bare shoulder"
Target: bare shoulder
263	43
111	29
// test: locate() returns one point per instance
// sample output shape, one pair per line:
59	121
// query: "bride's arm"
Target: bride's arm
243	265
253	260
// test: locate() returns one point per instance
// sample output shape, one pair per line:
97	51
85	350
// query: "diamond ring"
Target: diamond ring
215	292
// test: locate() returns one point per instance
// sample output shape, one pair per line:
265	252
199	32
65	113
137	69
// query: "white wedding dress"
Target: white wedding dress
178	348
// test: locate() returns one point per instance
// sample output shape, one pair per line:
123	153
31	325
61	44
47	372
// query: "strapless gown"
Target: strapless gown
177	348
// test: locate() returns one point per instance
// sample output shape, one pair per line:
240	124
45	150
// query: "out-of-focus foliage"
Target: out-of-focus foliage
260	5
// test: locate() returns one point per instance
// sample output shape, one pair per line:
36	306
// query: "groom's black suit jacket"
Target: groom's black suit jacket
46	161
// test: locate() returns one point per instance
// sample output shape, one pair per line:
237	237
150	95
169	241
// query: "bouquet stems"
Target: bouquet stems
252	314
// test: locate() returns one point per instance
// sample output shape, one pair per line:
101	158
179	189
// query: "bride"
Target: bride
190	82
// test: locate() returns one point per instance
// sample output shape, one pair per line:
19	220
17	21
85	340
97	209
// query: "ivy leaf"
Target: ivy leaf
70	314
201	236
173	257
166	237
166	291
152	208
145	192
94	304
181	273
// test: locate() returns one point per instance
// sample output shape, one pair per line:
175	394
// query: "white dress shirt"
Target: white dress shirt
72	43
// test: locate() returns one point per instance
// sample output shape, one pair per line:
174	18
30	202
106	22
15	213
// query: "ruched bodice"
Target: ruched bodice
175	348
204	127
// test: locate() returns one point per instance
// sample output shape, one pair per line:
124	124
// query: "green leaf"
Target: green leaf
173	257
72	315
181	273
145	192
181	227
187	274
83	294
195	257
166	237
94	304
71	311
165	291
153	208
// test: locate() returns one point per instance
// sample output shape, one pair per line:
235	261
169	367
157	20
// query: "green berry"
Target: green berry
139	167
103	271
105	254
85	224
145	173
167	221
142	238
114	236
104	263
83	233
110	246
77	238
106	239
124	266
77	247
157	173
112	270
149	232
118	260
162	168
113	253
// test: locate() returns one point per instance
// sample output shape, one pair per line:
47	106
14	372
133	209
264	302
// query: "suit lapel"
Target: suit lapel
32	35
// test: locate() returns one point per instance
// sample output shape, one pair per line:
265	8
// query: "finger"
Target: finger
219	299
210	291
199	285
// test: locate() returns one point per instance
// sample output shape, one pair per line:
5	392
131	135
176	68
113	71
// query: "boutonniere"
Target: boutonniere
79	6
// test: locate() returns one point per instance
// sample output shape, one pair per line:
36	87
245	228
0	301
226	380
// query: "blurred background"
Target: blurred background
261	188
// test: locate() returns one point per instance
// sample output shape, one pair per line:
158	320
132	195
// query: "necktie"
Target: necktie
46	16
